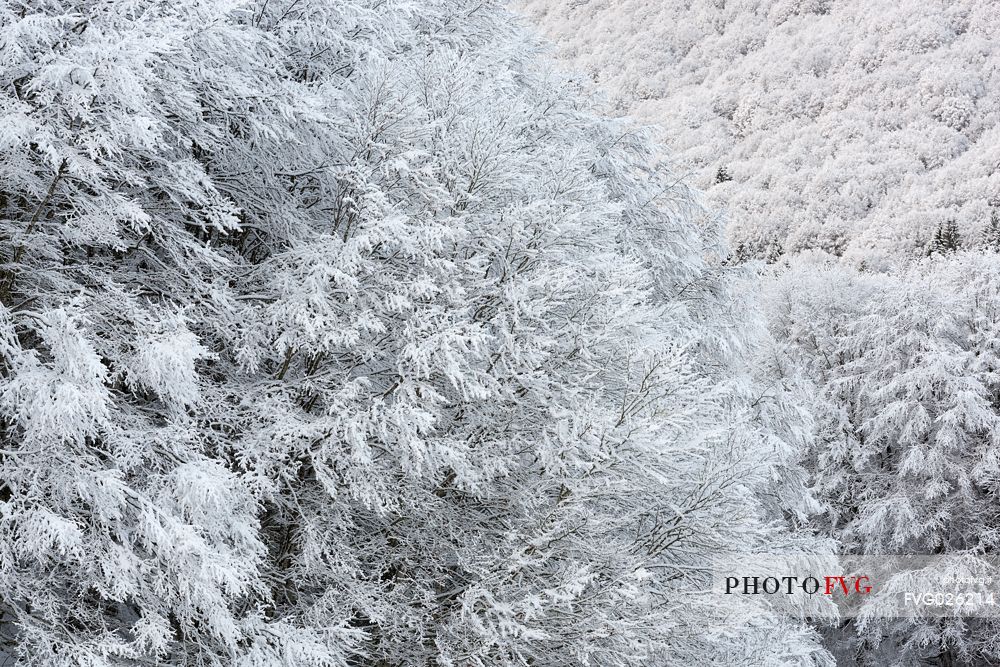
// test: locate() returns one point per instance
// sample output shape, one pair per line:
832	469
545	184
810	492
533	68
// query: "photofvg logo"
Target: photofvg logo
770	585
888	586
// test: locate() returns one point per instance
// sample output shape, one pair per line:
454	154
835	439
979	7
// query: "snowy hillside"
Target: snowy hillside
851	126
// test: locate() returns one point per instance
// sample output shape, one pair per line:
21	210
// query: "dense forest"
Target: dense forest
852	146
853	127
355	333
379	333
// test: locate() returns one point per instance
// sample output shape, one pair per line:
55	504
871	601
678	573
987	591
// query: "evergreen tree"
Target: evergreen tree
992	240
946	238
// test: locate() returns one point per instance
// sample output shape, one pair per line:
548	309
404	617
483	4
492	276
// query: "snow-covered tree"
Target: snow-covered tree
906	375
350	333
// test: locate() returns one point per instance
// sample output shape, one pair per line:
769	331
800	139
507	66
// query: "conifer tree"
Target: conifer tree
946	238
992	240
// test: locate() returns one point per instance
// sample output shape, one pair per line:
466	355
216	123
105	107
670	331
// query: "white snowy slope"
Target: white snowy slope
852	126
352	334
